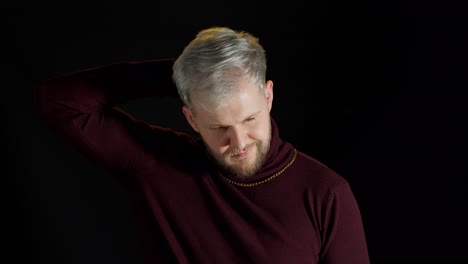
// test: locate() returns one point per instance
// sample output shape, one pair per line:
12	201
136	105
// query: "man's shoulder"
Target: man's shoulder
316	174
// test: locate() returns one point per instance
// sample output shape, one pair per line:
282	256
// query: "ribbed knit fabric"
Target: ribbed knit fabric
186	209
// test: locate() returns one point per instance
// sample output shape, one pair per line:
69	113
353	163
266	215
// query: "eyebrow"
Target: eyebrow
221	125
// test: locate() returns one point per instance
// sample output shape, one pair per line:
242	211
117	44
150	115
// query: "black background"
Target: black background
374	89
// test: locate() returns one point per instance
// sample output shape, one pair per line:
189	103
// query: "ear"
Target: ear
190	117
269	94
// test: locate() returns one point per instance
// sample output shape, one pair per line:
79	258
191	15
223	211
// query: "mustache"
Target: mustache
239	151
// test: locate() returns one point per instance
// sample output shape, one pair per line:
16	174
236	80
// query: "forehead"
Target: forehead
245	101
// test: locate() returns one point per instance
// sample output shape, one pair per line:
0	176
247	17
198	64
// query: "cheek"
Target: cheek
256	134
259	133
216	141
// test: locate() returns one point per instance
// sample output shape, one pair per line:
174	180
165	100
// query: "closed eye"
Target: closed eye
252	117
219	127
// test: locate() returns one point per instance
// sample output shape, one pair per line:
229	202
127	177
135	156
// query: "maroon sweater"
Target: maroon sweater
187	211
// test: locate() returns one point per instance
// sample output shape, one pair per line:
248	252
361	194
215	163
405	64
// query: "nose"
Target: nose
237	138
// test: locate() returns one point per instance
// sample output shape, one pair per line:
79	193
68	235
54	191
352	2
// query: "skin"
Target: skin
237	134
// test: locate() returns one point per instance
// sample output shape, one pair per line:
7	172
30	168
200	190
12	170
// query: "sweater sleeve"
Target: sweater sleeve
81	107
343	238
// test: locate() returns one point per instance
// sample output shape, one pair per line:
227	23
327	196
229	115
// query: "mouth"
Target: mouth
241	155
248	151
244	153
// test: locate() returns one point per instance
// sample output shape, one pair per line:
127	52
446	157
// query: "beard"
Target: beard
239	169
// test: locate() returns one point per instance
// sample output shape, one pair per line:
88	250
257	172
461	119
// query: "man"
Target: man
238	194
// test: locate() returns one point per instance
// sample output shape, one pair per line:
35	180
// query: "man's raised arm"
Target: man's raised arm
80	106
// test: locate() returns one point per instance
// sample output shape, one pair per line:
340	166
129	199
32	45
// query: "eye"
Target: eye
251	119
219	128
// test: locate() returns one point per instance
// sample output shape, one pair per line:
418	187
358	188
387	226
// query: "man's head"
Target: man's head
220	77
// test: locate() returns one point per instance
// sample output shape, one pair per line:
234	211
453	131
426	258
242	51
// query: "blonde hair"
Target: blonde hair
212	63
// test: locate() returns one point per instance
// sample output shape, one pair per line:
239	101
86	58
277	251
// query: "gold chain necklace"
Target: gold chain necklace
267	179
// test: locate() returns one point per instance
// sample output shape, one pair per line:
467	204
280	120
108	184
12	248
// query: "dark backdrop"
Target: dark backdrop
374	89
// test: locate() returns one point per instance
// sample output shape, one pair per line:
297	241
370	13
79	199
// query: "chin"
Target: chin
244	169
